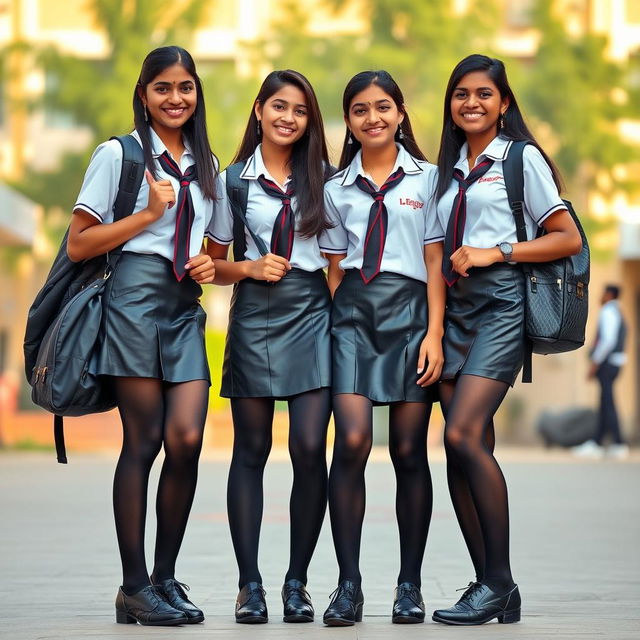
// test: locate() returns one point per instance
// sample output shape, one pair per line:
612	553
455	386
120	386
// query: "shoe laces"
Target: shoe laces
255	592
469	589
412	592
290	589
348	591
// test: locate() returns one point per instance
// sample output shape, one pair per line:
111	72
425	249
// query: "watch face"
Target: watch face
505	247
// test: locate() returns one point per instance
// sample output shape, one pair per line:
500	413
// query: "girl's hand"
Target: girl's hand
271	268
201	268
466	257
161	195
432	358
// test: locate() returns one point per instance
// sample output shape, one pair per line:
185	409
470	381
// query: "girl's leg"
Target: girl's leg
460	492
141	406
252	423
408	422
475	401
353	416
308	419
186	410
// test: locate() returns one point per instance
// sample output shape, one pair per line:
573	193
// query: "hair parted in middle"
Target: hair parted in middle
309	158
382	79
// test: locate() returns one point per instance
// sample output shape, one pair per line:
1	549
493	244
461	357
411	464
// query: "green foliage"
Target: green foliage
215	352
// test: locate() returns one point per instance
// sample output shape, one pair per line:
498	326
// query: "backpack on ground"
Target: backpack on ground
556	292
64	320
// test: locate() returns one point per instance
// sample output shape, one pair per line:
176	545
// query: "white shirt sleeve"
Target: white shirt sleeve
608	328
541	195
433	231
100	185
220	229
333	240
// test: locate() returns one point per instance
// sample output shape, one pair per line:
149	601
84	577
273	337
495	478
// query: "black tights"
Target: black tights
252	424
156	414
476	484
408	422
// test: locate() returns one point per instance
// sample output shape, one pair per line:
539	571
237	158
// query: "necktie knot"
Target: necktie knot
286	201
378	197
184	183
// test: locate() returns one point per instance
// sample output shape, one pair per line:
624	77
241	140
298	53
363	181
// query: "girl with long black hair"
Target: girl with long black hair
278	342
152	345
484	327
385	252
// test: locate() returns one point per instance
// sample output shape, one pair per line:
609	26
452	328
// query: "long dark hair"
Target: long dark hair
194	129
453	137
382	79
309	158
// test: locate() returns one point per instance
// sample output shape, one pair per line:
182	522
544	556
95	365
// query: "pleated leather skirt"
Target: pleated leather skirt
278	342
484	324
376	331
153	325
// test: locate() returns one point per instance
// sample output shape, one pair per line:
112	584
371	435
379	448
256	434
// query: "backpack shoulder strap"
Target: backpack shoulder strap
238	194
131	176
514	182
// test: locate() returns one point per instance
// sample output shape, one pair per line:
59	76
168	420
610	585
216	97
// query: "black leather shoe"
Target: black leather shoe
345	608
479	604
251	607
408	606
296	601
147	607
174	593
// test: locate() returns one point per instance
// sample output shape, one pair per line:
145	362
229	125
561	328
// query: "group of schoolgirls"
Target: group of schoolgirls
423	299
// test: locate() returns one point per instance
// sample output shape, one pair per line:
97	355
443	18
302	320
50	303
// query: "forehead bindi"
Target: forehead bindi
372	95
174	75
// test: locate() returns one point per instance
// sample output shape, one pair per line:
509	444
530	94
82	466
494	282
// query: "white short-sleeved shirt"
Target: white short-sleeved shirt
262	211
489	219
100	188
411	209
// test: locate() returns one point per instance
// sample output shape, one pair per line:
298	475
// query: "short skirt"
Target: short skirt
278	342
484	324
152	325
376	331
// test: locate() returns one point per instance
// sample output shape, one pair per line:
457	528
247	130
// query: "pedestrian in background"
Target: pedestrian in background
607	358
152	342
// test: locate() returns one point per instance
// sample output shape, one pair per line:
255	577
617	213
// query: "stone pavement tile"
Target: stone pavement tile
574	553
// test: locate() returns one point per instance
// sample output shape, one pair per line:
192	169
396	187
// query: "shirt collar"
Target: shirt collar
255	167
404	159
158	147
497	149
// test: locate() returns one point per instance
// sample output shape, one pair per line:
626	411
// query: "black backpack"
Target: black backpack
64	319
556	292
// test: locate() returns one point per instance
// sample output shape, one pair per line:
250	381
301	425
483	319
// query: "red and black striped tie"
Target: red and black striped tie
377	227
284	226
458	217
185	212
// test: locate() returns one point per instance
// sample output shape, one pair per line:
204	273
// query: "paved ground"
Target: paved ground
575	530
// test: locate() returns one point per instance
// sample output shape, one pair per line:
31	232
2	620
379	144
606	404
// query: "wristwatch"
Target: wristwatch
506	250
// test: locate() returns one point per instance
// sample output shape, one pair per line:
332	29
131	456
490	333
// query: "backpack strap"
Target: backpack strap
513	172
238	194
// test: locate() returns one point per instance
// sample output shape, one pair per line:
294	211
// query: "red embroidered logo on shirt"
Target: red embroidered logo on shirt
491	179
414	204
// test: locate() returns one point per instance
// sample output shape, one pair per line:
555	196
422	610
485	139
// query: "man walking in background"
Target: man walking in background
607	357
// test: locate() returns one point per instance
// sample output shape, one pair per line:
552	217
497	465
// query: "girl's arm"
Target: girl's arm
89	238
335	273
270	267
431	358
562	239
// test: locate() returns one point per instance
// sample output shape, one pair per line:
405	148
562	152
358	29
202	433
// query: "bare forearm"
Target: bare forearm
436	290
548	247
228	272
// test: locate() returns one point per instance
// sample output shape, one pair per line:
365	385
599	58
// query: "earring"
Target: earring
146	115
349	139
502	121
259	129
400	132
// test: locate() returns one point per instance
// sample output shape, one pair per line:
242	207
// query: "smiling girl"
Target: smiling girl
278	344
385	253
484	329
153	326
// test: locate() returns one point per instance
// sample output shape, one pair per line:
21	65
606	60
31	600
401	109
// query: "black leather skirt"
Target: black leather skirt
278	342
153	325
484	324
376	330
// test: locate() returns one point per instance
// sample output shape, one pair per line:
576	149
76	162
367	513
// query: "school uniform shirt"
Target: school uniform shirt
489	219
261	214
412	216
610	324
100	188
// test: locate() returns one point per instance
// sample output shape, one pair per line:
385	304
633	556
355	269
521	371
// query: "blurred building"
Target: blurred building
36	140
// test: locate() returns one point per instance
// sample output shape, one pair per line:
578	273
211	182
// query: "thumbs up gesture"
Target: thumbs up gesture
161	195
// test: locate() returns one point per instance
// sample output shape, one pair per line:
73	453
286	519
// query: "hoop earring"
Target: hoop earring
349	139
259	129
400	132
146	115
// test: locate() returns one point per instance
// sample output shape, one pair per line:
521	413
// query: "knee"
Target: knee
308	453
252	452
143	450
353	447
183	441
407	455
461	440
